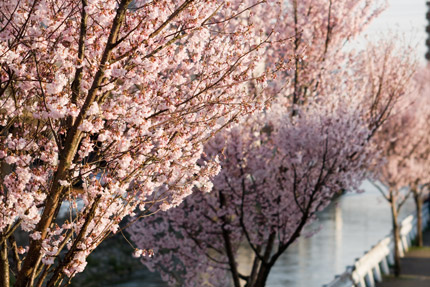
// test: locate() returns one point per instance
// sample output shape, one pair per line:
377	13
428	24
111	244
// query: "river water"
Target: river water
351	225
348	227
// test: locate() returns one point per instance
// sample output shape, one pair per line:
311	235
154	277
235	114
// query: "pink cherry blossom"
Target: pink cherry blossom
105	106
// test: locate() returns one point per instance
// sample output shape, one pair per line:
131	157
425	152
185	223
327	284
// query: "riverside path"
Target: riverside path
415	268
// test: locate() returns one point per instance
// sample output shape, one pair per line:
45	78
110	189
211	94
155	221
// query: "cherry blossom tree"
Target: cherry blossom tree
418	161
320	30
404	148
105	106
277	172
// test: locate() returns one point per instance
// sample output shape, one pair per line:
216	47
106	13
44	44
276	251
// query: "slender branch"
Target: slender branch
70	254
380	190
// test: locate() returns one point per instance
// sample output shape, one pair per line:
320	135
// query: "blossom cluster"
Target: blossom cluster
104	109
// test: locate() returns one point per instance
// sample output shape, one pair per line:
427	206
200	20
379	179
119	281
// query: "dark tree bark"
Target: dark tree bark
419	207
396	235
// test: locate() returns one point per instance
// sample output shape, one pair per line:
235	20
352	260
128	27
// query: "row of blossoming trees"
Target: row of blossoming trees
279	167
118	108
404	145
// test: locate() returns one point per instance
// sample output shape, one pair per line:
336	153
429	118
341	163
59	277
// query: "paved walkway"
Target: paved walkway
415	268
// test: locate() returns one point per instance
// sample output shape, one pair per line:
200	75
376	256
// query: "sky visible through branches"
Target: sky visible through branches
403	17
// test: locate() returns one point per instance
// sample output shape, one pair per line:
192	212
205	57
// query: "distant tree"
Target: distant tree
404	147
116	97
419	177
320	30
277	172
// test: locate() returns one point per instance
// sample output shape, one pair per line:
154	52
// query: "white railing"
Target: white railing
369	268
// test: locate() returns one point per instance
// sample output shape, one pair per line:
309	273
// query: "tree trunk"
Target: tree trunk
419	208
263	274
254	271
265	266
68	153
4	266
231	259
227	243
396	236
